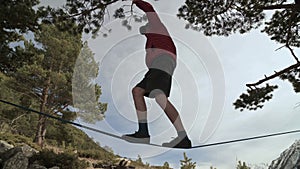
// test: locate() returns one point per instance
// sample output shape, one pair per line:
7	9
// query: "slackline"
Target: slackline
156	145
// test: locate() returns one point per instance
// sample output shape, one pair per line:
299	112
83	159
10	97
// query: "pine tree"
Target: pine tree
166	165
86	93
48	79
187	163
16	17
139	160
242	165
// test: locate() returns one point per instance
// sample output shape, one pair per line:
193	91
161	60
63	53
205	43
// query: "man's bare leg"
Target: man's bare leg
170	111
142	135
182	141
141	109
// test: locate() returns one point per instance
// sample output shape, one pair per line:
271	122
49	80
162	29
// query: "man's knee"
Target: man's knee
138	92
161	99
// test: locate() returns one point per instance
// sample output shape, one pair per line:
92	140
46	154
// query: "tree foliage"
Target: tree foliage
87	15
219	17
254	98
283	27
16	18
242	165
86	93
166	166
187	163
47	80
223	18
46	77
49	75
293	76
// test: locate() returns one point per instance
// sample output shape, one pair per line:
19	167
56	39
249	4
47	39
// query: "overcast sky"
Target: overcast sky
210	75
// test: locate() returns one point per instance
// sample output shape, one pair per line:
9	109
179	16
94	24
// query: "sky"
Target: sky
210	75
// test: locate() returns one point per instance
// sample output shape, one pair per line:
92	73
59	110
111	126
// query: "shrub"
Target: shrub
50	159
96	154
16	139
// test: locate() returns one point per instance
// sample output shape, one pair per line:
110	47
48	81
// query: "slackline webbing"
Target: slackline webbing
119	137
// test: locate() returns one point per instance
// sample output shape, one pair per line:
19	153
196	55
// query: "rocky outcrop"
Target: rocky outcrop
289	159
17	157
4	146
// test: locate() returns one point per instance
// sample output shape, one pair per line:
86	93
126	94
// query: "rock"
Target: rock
4	146
54	167
124	162
289	159
28	151
16	161
36	166
17	157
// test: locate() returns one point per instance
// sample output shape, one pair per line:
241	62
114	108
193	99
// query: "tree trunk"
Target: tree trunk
41	131
41	127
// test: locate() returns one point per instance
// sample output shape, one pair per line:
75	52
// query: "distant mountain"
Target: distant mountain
289	159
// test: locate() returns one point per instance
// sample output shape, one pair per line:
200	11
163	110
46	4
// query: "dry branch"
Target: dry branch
276	74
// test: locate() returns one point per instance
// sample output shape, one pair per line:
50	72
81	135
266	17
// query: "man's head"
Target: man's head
144	29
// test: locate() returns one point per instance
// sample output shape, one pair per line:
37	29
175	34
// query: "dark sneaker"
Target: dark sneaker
179	143
137	138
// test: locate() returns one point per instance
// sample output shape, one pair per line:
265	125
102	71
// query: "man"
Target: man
161	61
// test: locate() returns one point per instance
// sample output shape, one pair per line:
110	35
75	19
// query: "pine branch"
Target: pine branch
276	74
289	35
15	119
293	53
92	9
281	6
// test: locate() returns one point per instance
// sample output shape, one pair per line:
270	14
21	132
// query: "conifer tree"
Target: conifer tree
48	79
166	165
187	163
242	165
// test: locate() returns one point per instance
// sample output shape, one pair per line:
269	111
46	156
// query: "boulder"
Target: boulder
17	157
16	161
289	159
4	146
54	167
36	166
28	151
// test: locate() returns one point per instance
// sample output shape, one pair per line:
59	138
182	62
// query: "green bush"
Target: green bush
50	159
96	154
16	139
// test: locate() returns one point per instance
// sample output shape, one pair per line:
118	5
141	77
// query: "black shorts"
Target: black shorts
156	82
